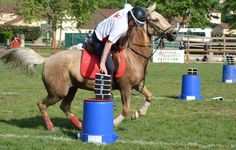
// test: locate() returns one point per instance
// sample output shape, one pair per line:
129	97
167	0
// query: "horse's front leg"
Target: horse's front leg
125	97
148	98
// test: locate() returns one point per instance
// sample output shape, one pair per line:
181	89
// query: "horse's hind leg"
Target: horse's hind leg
66	107
43	105
144	108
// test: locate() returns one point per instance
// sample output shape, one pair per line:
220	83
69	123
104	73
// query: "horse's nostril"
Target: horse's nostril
172	36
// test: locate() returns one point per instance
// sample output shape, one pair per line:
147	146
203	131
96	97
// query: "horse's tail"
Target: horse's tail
25	58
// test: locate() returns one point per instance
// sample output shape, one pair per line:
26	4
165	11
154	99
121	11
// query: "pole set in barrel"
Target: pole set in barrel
191	86
229	70
102	89
98	114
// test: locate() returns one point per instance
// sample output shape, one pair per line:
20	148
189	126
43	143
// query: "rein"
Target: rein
148	58
163	33
145	67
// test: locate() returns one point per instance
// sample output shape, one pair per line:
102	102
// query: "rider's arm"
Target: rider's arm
106	51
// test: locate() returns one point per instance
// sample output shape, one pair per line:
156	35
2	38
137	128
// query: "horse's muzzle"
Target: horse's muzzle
172	35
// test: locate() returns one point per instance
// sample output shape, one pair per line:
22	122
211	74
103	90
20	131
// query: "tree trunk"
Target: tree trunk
54	42
59	42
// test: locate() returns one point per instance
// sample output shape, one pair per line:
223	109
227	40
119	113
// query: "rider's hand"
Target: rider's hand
103	68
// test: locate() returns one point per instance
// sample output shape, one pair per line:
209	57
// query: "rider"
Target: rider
110	30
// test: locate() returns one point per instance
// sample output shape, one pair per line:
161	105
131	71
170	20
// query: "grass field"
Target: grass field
168	124
6	1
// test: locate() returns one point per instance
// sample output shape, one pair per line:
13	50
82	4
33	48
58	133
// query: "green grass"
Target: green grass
6	1
168	124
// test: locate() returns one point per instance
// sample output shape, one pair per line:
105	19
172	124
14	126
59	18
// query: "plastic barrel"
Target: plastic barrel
190	88
229	74
98	122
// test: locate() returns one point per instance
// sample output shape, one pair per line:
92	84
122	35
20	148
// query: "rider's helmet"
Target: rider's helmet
139	15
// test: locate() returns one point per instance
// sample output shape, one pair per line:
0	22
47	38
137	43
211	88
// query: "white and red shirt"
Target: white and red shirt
115	26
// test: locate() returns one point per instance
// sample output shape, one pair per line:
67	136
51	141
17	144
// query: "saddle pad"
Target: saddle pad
90	65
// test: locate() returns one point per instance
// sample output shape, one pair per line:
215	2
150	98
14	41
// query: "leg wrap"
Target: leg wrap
143	110
76	121
48	122
118	120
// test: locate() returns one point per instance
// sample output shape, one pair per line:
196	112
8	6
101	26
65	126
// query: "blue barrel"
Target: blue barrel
229	74
98	122
191	88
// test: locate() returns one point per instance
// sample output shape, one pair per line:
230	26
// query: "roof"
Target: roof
10	8
7	8
224	26
214	11
180	19
17	19
97	17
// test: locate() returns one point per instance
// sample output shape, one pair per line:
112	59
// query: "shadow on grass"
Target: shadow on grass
37	121
62	124
172	97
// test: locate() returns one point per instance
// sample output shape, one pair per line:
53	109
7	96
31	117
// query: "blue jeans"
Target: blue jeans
98	47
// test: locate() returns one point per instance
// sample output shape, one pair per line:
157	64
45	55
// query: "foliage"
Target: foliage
31	33
56	11
230	6
196	10
5	35
112	4
81	10
6	1
216	33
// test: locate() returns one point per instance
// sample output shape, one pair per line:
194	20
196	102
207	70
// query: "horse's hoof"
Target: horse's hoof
135	115
115	123
50	127
142	113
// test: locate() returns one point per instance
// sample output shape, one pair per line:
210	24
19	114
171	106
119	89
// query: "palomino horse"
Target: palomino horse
62	78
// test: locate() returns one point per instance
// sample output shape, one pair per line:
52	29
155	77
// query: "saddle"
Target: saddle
90	63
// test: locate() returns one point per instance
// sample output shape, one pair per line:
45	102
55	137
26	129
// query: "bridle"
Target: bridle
160	30
148	58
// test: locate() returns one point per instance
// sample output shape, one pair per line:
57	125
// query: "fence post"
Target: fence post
188	51
224	42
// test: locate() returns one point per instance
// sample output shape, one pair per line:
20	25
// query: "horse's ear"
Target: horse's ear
150	9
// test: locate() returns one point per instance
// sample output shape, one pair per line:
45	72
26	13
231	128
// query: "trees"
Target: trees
195	10
56	11
229	11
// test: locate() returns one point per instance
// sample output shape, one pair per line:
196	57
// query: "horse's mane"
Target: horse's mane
139	36
138	39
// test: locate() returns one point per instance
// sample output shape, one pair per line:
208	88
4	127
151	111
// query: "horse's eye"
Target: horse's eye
155	19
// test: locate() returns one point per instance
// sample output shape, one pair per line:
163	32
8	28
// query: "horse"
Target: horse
62	77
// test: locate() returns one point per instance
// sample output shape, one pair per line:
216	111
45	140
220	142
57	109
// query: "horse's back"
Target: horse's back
60	69
63	58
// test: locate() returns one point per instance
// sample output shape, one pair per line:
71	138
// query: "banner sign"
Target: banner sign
169	56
